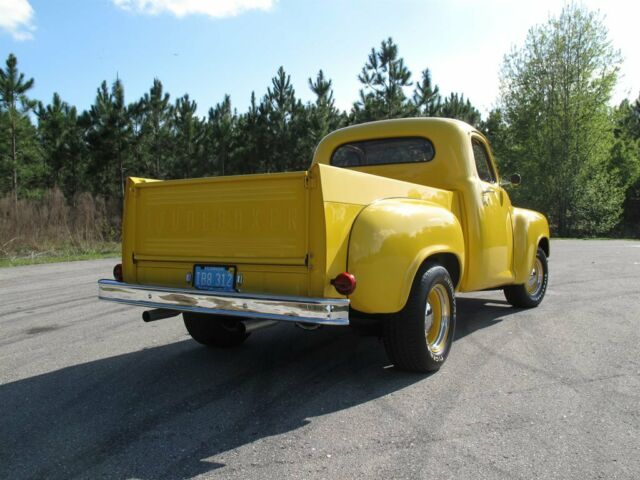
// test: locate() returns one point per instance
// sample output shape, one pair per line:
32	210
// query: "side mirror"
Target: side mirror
513	180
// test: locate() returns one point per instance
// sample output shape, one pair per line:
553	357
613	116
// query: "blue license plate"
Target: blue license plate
210	277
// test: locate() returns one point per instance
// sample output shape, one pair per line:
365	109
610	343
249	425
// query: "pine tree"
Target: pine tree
282	114
139	160
426	96
109	135
155	131
324	117
384	78
17	105
222	125
188	133
63	148
456	106
251	130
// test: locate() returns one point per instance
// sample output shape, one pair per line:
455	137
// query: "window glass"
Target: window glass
483	164
383	151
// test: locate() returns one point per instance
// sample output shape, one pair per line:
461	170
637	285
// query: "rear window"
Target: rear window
383	152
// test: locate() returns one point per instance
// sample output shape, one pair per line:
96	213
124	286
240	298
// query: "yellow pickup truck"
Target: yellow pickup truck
391	219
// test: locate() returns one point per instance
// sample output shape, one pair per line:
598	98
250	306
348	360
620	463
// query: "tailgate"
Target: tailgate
257	219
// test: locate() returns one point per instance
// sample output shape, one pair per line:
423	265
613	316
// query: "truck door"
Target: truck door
496	235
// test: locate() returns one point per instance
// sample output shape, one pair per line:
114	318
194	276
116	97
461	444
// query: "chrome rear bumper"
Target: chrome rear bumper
322	311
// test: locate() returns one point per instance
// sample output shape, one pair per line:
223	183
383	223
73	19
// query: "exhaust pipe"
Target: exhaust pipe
158	314
254	325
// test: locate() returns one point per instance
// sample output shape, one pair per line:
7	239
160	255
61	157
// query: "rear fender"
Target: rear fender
389	241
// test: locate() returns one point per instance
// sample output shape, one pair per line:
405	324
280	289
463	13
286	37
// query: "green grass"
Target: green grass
67	254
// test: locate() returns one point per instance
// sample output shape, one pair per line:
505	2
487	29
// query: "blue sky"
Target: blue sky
211	47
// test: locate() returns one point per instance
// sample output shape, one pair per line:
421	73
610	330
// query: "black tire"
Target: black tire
409	345
215	331
530	294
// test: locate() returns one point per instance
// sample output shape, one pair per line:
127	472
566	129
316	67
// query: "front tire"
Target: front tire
531	293
215	331
419	338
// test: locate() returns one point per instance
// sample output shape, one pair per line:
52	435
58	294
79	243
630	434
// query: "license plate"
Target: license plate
210	277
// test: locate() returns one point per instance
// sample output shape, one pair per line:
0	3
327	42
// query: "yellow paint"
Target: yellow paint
529	228
390	240
291	233
248	221
348	196
489	230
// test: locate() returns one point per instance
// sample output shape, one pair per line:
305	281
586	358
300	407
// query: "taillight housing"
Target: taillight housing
117	272
345	283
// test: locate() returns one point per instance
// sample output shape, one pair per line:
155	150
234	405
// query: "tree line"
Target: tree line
579	157
155	136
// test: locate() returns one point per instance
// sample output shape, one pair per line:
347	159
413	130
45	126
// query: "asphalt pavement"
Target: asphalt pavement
87	390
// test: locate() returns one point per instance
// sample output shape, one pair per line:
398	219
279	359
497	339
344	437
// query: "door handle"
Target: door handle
490	190
486	199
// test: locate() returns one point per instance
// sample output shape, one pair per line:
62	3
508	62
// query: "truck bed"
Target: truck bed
285	233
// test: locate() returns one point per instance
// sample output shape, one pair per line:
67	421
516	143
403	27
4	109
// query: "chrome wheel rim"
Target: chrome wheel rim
437	318
536	278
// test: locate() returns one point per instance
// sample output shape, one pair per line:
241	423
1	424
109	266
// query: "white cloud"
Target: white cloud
16	17
180	8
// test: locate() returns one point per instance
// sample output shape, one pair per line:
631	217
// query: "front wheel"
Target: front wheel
531	293
419	338
215	331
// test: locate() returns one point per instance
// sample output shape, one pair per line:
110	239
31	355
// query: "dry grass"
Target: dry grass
54	227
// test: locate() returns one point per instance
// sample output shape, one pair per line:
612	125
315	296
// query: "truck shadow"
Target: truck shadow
476	313
178	410
173	411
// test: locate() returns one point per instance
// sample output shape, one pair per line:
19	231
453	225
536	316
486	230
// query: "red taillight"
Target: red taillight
117	272
345	283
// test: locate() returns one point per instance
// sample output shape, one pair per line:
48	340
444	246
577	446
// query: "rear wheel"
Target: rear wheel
215	331
419	338
531	293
